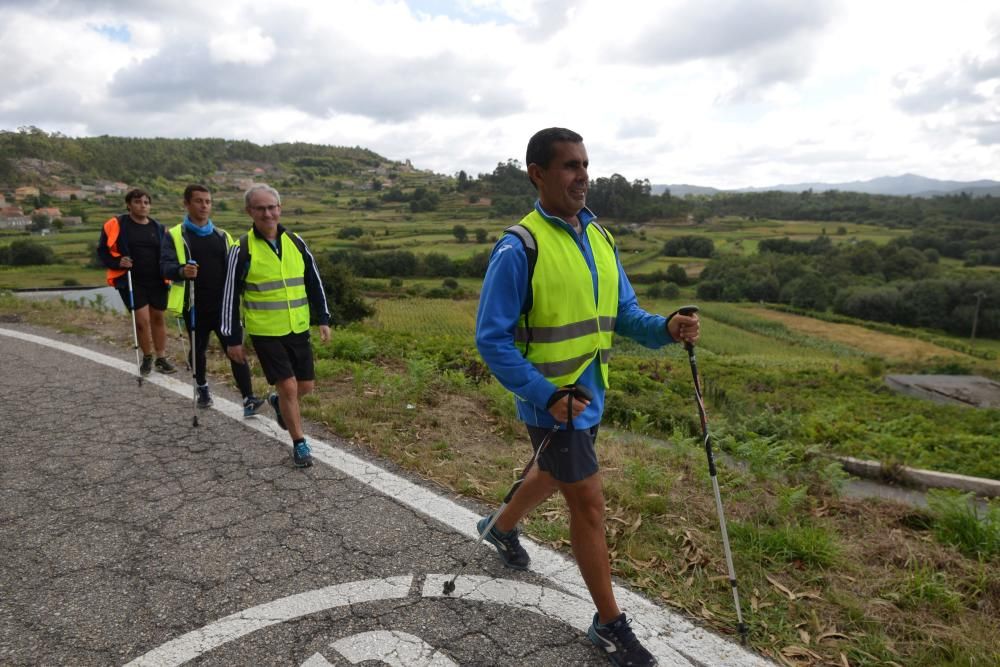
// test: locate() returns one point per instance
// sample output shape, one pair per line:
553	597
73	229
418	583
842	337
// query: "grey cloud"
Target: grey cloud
637	128
949	88
788	62
727	29
954	86
986	132
383	88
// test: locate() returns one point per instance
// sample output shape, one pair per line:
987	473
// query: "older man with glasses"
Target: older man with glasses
273	274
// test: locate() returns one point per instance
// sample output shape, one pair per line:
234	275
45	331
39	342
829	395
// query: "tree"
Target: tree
481	235
689	246
677	275
460	232
343	296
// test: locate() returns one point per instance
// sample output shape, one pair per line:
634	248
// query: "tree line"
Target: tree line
895	283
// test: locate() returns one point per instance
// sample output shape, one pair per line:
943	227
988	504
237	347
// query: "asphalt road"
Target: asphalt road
128	536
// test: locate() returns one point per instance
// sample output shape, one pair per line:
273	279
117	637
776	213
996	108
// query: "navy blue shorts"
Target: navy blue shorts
570	456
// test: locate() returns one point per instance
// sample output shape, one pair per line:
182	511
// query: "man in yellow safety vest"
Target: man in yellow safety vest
273	274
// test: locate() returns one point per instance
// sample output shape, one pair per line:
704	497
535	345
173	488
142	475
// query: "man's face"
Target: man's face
264	209
199	207
138	207
562	186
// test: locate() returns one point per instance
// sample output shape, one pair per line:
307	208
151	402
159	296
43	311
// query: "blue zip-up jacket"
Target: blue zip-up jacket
505	289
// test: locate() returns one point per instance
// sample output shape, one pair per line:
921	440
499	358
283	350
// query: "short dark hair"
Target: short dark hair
136	193
541	147
193	188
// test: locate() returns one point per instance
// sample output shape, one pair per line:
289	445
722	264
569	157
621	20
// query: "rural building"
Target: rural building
25	191
71	220
15	222
51	212
10	211
66	194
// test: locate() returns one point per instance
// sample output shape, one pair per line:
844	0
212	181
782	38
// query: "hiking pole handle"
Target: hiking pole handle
687	311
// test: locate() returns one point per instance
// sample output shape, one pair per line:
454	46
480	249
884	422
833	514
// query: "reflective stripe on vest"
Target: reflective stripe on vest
565	330
275	301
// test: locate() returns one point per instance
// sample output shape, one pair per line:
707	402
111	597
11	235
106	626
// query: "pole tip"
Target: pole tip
744	630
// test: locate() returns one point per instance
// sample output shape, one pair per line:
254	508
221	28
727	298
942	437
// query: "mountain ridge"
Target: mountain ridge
904	185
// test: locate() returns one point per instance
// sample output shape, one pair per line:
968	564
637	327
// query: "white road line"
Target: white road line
197	642
396	649
667	634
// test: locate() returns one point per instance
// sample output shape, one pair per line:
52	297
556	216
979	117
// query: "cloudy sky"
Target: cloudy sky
725	93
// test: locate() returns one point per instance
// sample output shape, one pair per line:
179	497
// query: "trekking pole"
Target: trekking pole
135	330
578	391
194	354
741	627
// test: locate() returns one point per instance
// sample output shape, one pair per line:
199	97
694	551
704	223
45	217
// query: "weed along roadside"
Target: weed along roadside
821	574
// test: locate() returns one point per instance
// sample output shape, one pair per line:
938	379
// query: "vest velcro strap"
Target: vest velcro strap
555	334
275	284
557	368
275	305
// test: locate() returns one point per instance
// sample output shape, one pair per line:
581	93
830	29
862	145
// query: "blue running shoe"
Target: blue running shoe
301	454
508	545
273	400
620	643
252	405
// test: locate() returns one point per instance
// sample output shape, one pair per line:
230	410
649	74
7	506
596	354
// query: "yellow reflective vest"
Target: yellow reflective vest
275	301
177	297
564	330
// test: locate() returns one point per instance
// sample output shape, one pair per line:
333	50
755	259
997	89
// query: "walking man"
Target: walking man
553	297
272	271
130	244
195	256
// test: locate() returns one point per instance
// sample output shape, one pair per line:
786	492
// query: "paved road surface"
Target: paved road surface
129	537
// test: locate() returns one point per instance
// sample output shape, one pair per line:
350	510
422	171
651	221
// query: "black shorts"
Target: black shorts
570	456
283	357
145	294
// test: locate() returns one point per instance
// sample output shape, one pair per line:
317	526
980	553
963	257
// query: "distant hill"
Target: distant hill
684	190
911	185
38	156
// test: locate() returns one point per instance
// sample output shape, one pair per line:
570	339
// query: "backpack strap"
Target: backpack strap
531	250
605	234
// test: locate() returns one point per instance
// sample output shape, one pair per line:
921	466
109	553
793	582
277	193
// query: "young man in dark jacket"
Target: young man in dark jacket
193	256
130	244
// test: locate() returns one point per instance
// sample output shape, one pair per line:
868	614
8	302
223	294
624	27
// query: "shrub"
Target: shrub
29	253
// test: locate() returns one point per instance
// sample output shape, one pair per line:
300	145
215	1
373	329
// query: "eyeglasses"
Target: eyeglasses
265	209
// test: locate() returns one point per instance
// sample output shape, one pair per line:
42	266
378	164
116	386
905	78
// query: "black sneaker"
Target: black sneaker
619	643
252	405
146	367
164	366
273	400
508	545
204	398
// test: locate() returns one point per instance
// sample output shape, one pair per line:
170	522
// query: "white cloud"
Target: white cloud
250	47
